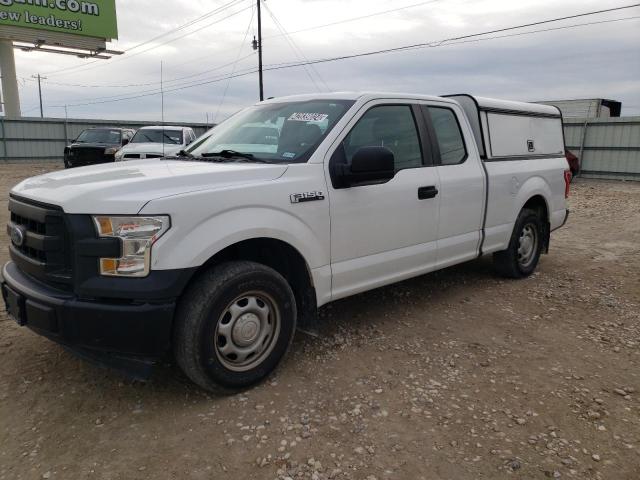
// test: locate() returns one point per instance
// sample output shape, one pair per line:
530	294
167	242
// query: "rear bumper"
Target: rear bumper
92	328
561	221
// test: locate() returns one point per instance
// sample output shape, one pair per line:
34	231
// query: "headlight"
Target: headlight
111	150
138	234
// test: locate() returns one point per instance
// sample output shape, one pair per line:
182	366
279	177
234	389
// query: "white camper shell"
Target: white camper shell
506	130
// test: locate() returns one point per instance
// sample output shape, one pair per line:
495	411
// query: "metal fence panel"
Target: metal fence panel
608	147
44	139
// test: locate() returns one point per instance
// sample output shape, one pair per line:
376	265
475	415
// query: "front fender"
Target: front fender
187	245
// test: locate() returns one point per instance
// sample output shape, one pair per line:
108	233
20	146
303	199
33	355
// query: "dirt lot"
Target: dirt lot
455	375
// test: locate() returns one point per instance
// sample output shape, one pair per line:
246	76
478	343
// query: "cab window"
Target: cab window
390	126
448	135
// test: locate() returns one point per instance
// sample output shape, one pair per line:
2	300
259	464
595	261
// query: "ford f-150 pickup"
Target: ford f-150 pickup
217	254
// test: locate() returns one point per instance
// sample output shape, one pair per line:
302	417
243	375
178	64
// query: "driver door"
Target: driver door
385	232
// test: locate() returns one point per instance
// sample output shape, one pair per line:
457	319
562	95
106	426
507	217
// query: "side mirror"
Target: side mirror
369	165
125	141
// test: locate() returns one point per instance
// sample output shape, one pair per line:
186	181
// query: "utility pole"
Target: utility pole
9	80
257	45
40	92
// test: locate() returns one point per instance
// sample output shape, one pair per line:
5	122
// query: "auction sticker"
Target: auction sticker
308	117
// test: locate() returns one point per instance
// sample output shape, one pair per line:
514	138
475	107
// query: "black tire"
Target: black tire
510	263
206	310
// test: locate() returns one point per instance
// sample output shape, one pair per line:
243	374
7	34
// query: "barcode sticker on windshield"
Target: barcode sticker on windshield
308	117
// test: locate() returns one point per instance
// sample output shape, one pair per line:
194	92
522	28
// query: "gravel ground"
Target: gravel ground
454	375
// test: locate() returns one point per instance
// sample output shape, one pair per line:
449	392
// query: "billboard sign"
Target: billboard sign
93	18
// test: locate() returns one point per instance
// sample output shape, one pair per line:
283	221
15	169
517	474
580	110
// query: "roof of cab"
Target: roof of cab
352	96
483	102
162	127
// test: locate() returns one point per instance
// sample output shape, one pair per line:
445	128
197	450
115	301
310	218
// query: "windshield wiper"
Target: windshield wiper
184	153
232	155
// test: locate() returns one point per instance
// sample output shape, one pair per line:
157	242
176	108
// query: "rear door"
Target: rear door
462	183
384	232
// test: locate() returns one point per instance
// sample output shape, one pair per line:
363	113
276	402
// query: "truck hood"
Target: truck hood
124	188
154	148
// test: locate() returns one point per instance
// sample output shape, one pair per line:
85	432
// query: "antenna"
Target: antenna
257	45
162	103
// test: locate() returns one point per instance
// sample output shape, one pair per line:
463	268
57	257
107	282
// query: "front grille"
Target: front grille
33	226
88	155
42	250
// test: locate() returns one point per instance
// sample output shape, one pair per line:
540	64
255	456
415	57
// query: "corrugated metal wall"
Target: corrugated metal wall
37	139
578	108
607	147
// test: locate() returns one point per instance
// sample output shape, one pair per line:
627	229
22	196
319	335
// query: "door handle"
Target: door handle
427	192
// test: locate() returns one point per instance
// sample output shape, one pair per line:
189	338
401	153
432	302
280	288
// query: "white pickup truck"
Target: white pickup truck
218	254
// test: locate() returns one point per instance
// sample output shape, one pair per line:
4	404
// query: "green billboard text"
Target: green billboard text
94	18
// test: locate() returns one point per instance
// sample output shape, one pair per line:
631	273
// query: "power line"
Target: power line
233	70
433	44
452	41
362	17
81	85
230	4
281	34
499	30
371	53
199	19
297	51
87	66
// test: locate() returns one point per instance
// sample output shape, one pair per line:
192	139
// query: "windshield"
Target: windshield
148	135
99	135
275	132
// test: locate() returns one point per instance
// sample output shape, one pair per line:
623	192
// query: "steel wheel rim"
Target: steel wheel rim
247	331
527	245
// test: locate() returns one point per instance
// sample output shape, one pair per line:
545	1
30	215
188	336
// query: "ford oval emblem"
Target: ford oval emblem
17	235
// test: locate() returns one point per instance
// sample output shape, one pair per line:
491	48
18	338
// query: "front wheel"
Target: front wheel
521	257
233	325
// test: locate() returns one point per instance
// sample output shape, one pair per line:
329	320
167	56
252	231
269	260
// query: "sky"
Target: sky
593	61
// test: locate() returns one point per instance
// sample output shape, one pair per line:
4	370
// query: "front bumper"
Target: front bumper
94	329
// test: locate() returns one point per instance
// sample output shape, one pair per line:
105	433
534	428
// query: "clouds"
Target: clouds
594	61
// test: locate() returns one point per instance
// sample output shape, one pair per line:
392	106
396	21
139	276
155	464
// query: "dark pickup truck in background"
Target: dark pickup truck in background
96	145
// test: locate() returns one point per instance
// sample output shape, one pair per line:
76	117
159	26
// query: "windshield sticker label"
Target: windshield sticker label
289	155
308	117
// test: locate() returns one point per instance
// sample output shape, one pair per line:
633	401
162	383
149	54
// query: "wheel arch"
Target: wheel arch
539	204
283	258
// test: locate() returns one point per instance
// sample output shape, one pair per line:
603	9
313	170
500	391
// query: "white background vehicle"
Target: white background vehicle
220	254
156	142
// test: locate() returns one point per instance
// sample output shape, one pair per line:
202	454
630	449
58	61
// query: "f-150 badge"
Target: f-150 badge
306	197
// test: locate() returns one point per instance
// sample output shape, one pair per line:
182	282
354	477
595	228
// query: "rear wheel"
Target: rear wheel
233	325
521	257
